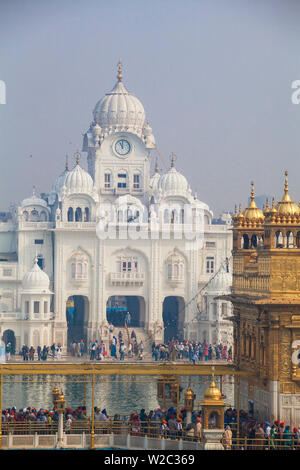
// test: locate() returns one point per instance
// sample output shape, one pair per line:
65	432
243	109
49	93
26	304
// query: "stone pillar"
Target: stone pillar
212	439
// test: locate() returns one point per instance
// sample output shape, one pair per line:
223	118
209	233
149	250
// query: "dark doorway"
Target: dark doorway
173	317
9	337
77	314
118	306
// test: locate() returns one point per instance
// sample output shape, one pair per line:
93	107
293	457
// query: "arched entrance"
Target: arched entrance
117	307
77	312
173	318
9	337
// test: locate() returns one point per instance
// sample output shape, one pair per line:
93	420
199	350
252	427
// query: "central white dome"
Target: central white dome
78	181
173	183
119	110
36	280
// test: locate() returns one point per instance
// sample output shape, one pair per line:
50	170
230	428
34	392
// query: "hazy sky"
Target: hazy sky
214	77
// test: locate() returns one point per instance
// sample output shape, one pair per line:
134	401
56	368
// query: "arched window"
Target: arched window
254	241
181	216
298	240
107	179
86	214
70	214
25	215
245	245
43	216
79	268
278	240
34	216
290	240
78	215
136	181
166	216
173	216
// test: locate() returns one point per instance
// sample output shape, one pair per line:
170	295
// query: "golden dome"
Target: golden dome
286	206
252	212
212	393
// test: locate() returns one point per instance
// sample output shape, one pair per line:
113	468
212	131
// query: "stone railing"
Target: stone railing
127	278
101	441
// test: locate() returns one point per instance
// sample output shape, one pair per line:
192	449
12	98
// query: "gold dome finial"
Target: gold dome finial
252	212
213	393
286	207
252	197
67	163
156	166
119	74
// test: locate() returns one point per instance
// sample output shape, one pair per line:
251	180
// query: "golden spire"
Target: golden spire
286	196
119	75
67	164
156	166
286	206
252	212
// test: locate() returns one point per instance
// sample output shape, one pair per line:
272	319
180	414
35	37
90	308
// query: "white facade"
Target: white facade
110	236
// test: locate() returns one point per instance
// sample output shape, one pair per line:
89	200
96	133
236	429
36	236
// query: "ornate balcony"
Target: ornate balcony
127	279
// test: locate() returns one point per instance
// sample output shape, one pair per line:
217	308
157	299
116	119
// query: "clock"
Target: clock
122	147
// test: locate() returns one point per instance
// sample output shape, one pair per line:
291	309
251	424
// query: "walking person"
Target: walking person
59	351
31	353
128	318
81	348
227	438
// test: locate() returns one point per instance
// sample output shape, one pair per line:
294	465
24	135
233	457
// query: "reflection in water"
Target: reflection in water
117	393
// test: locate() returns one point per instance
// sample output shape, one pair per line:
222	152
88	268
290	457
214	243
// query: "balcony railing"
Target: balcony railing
127	278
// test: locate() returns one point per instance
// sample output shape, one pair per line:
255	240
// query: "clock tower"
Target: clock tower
118	145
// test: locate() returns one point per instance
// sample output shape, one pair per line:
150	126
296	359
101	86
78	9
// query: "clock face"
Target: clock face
122	147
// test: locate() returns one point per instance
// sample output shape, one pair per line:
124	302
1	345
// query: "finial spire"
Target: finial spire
34	191
119	74
286	185
156	166
67	164
77	156
172	160
252	191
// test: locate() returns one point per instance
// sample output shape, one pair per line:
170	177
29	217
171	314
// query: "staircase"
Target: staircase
141	335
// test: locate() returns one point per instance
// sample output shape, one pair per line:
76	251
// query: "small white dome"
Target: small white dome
119	110
34	200
173	183
36	280
59	182
78	181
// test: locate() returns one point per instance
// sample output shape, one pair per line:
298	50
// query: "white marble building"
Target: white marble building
111	238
